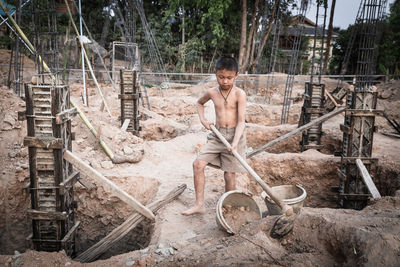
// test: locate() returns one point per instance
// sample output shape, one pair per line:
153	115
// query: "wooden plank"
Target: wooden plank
43	142
367	179
128	96
364	160
46	215
314	147
70	232
56	99
391	134
66	115
364	112
315	110
69	182
107	184
332	99
295	131
125	125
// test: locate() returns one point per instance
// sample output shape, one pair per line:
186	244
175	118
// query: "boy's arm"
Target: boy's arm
241	120
200	109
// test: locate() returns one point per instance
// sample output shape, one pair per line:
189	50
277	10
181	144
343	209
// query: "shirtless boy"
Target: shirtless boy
230	106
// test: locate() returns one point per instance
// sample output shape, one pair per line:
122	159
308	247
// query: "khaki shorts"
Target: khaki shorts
217	155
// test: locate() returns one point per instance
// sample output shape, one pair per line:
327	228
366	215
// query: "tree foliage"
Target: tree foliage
388	48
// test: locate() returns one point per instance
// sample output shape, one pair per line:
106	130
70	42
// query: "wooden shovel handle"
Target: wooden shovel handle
285	208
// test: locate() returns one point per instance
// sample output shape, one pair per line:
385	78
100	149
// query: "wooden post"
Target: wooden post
108	185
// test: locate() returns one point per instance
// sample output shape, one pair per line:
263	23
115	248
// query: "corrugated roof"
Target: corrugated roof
307	31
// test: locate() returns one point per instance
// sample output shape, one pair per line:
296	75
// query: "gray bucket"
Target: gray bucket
235	198
292	195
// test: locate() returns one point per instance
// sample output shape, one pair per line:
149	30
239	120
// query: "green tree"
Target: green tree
389	50
210	27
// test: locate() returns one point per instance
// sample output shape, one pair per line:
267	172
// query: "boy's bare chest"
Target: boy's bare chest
224	101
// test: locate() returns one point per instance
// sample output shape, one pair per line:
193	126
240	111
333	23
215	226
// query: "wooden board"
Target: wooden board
367	179
107	184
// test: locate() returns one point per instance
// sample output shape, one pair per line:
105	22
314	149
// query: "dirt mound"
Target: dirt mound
5	56
321	236
14	201
270	115
389	98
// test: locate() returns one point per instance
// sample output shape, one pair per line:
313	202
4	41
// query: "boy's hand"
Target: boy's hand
233	147
207	124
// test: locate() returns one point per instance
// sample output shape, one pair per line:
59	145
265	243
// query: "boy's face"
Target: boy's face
226	78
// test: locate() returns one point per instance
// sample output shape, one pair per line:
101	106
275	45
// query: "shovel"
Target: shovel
284	224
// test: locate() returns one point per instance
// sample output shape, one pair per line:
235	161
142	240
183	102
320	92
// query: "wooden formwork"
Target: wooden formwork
48	115
358	132
312	109
130	100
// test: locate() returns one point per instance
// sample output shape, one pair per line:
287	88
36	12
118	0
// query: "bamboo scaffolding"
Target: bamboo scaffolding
87	59
118	233
119	159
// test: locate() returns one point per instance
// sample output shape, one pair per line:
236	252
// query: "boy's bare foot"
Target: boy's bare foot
195	210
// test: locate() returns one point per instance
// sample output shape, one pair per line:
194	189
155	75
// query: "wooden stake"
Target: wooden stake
107	184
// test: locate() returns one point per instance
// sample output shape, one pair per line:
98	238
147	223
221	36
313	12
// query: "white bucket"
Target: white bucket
235	198
292	195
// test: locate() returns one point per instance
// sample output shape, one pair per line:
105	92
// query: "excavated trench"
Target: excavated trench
100	213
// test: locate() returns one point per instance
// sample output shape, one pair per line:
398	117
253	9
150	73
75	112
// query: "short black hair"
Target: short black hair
227	63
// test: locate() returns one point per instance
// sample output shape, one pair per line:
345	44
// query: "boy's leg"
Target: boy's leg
230	181
199	182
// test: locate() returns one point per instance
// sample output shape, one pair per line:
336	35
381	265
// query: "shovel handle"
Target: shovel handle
285	208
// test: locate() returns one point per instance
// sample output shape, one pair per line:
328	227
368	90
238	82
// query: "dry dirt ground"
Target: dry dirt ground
323	234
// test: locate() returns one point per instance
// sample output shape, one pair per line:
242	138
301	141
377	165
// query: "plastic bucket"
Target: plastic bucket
292	195
235	198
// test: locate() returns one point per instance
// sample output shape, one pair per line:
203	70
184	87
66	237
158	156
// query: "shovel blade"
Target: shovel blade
282	226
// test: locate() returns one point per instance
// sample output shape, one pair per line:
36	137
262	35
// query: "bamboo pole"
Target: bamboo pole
87	59
23	36
93	131
297	130
107	184
98	53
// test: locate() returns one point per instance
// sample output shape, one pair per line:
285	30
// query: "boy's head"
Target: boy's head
226	71
227	63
